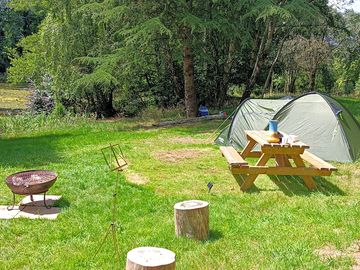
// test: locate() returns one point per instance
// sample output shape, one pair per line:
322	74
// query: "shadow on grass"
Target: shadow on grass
30	152
294	186
240	180
214	235
62	203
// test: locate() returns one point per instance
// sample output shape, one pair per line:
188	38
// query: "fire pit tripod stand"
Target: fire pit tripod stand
30	183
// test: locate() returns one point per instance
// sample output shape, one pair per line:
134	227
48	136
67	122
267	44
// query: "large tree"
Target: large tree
120	56
275	22
14	25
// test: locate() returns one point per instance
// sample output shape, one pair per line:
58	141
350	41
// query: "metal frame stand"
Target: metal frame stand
21	205
112	228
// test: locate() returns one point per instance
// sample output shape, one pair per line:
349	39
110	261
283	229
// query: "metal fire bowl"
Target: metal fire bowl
31	182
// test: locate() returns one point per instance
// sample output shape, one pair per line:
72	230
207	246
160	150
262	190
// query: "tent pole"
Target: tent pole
219	127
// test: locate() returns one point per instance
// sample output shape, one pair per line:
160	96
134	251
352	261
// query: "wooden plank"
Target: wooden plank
254	154
299	144
282	150
317	162
286	161
300	171
233	157
255	135
249	146
251	178
280	160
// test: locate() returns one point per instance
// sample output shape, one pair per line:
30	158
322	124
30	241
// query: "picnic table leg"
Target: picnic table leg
251	178
286	161
279	160
249	146
240	178
308	180
282	161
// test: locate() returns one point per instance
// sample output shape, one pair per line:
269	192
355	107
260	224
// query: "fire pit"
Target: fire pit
30	183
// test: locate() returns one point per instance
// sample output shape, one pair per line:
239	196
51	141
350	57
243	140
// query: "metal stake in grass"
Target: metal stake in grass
115	160
210	185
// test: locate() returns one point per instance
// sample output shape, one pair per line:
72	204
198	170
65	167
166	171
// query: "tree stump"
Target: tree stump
144	258
192	219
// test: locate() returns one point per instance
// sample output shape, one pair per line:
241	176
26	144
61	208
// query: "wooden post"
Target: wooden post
146	258
192	219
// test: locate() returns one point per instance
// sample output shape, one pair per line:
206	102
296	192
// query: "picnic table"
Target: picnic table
282	153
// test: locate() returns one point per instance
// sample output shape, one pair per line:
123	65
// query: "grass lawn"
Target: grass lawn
277	226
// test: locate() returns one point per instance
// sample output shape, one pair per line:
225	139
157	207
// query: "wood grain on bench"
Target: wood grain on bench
233	157
317	162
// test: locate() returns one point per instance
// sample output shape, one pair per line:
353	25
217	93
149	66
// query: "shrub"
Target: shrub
41	100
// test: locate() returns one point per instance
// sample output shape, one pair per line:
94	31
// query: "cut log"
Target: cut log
192	219
146	258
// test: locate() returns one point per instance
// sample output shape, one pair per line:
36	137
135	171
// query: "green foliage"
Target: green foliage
346	62
59	110
110	56
14	25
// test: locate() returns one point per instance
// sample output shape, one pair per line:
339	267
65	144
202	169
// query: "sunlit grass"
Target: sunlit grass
278	225
13	97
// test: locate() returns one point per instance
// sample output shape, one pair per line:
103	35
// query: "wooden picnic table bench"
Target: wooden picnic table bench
282	153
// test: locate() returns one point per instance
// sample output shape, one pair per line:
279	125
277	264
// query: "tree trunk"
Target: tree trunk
192	219
271	84
189	81
224	85
290	84
271	70
251	82
104	107
312	79
150	258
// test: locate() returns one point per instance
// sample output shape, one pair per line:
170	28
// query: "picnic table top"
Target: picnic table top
260	136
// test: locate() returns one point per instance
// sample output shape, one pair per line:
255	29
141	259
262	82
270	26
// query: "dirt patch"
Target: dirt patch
187	140
356	172
354	250
180	154
330	252
136	178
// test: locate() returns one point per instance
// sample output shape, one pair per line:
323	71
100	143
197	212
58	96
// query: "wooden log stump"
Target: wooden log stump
192	219
146	258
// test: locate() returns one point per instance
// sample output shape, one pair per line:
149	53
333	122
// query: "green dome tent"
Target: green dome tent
318	120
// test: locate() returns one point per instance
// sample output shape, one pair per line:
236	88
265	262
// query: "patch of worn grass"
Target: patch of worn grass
13	97
278	225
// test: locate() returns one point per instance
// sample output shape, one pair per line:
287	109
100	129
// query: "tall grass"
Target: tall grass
32	123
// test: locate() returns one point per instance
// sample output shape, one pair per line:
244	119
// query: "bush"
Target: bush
41	100
59	110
